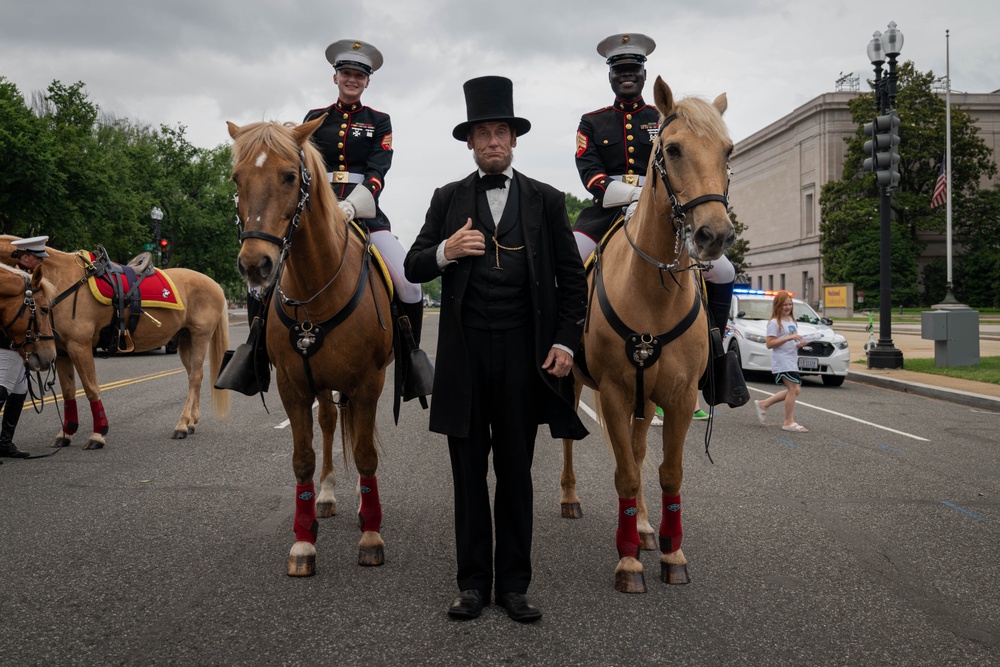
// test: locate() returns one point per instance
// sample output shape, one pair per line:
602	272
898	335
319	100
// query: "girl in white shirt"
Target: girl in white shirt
784	341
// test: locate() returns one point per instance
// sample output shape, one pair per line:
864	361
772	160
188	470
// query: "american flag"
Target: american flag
940	188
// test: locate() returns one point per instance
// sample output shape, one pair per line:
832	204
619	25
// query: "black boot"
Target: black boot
414	311
720	299
11	415
419	376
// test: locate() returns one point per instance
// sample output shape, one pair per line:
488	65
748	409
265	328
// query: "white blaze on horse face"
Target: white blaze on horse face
261	159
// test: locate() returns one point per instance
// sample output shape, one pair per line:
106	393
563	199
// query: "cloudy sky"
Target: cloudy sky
201	63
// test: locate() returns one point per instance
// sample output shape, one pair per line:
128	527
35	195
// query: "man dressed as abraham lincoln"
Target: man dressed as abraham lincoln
513	298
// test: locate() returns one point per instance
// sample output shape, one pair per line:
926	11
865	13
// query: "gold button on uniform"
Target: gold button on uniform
340	144
630	137
631	149
605	142
628	126
631	160
628	116
341	133
346	116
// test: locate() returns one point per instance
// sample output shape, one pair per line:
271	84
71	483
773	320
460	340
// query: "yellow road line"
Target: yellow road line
125	383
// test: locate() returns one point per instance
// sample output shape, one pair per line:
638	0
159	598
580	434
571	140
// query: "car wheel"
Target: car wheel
834	380
733	345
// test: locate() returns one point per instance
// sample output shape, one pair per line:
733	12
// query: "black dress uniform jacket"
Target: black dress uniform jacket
557	291
613	141
356	139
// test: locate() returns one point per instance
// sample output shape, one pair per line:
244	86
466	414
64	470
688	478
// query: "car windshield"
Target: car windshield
760	309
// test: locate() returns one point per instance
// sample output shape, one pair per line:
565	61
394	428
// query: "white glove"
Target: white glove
630	210
363	203
348	208
620	194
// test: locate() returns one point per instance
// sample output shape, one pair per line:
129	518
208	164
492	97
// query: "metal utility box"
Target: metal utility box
955	333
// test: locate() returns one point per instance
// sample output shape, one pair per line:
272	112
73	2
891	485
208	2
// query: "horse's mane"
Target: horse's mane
703	118
277	138
15	270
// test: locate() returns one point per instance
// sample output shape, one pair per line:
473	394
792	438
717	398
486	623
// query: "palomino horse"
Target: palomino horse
328	322
79	317
646	341
25	317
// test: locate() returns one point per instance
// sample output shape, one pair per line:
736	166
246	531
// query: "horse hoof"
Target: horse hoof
572	511
94	444
302	566
179	434
630	582
60	442
647	542
674	574
190	430
325	509
371	556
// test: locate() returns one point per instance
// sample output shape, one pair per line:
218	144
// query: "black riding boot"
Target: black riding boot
720	299
419	378
414	311
11	415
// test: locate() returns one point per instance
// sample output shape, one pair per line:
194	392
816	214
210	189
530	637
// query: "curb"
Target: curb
930	391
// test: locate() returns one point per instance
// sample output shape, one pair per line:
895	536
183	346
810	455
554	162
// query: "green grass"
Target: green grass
988	369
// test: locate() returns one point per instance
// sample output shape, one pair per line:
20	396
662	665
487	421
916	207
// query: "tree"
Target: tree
850	219
573	207
737	252
29	181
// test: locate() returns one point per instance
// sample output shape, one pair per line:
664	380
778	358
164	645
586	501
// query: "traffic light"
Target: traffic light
883	149
164	243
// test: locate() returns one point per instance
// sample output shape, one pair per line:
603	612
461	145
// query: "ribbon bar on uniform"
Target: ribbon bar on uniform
345	177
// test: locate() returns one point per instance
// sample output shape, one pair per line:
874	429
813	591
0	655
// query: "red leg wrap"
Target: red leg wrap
670	527
100	419
370	514
627	535
71	418
305	526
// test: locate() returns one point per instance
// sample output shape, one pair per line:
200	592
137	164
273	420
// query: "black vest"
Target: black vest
499	298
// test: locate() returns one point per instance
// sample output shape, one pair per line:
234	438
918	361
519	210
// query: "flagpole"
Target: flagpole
949	296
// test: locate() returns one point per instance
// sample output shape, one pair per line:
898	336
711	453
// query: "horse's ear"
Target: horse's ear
721	103
304	131
663	97
233	129
36	278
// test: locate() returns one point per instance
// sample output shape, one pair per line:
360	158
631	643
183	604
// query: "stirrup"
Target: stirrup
129	345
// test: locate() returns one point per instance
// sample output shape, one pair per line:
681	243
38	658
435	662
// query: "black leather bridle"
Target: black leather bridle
678	211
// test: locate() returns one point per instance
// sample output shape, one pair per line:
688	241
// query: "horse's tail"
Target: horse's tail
219	345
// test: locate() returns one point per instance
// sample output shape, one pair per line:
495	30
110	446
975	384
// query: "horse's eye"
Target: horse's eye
674	151
45	311
289	178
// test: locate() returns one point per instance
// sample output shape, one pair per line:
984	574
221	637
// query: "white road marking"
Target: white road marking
593	415
288	422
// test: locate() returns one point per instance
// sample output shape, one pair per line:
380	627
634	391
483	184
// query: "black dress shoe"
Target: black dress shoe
10	450
518	607
468	605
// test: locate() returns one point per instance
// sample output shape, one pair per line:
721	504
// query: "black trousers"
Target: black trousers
505	392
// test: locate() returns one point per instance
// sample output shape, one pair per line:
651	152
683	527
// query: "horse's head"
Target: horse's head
691	159
273	165
26	316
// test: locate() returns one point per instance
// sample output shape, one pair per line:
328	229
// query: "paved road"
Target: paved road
872	540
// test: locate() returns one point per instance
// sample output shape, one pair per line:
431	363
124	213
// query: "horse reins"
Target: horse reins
678	210
32	333
307	336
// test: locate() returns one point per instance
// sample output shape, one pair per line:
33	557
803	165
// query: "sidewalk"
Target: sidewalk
906	338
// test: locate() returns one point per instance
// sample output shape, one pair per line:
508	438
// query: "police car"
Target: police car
827	354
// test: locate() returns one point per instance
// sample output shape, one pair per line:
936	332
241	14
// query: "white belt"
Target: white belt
630	179
345	177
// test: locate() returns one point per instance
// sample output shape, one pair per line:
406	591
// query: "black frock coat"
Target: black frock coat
558	299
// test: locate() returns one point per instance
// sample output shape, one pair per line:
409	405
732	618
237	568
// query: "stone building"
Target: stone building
779	173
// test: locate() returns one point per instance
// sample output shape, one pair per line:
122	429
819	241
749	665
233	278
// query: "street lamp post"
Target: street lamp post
157	215
886	45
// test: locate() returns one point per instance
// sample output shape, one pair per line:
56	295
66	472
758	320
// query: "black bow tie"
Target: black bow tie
491	182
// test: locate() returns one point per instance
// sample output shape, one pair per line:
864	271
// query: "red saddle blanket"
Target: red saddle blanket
155	291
